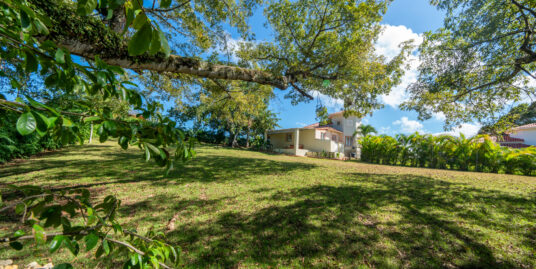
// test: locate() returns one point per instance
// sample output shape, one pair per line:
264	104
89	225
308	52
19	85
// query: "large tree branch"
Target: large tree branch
176	64
88	37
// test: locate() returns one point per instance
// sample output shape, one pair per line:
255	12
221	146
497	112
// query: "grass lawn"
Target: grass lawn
244	209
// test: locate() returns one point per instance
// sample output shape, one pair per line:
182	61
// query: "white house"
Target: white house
525	133
338	136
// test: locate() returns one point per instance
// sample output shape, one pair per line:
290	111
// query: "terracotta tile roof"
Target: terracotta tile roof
335	114
322	127
311	126
522	127
327	128
508	138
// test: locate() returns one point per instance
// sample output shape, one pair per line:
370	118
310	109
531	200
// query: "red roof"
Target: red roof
312	126
508	138
335	114
526	126
327	128
321	127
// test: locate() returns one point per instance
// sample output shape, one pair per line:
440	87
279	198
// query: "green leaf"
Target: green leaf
155	43
26	124
30	61
37	104
105	247
19	233
147	153
91	241
141	40
165	3
73	246
326	83
20	208
130	17
60	56
39	234
110	126
164	44
137	4
55	244
16	245
85	7
67	122
152	148
140	20
24	20
43	123
123	142
90	119
40	27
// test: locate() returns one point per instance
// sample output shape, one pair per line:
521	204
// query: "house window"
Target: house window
289	137
348	141
334	137
338	123
323	136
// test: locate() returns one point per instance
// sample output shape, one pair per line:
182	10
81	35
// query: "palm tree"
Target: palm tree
364	130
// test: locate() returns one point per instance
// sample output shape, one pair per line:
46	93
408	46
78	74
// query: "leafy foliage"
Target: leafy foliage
483	58
80	222
21	27
519	115
478	153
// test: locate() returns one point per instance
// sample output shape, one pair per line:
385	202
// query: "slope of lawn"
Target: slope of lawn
244	209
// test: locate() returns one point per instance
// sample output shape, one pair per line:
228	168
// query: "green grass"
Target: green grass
237	208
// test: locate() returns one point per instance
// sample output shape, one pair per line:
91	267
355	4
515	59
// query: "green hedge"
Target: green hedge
478	153
13	145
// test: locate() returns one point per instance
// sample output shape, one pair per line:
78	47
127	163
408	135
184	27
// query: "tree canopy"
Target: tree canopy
319	46
519	115
482	59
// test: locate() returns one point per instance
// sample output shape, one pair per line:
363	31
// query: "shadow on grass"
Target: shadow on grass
385	221
125	167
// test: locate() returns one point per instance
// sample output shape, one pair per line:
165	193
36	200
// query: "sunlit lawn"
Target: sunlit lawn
238	208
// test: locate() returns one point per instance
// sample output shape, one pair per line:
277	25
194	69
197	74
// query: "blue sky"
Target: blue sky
405	19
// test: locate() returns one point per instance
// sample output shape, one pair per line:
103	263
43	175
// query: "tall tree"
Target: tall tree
324	46
519	115
483	58
364	130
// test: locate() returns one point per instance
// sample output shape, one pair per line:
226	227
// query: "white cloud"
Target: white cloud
301	124
388	46
439	116
468	129
391	37
229	46
409	126
385	130
329	102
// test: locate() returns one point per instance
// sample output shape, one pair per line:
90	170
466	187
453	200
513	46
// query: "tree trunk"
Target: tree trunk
247	137
234	143
91	134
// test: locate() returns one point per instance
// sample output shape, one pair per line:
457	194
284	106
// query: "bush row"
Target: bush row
479	153
13	145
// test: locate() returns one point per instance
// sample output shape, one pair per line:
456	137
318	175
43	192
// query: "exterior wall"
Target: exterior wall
311	140
279	141
299	152
529	135
348	126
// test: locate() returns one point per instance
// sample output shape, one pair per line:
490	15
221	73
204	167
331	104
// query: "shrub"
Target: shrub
478	153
